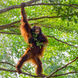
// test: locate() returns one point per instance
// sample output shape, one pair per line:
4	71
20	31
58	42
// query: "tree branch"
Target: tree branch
17	6
64	74
47	36
30	4
7	63
63	42
11	24
3	69
15	70
10	33
8	25
62	67
13	65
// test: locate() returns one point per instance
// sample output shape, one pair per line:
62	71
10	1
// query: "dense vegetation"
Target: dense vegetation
59	22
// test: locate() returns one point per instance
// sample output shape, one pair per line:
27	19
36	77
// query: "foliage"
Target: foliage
57	54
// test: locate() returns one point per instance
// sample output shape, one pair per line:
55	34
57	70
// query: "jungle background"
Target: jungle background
58	20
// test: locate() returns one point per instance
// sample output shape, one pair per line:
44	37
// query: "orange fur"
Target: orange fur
33	52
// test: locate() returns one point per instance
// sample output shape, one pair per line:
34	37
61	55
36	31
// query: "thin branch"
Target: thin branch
7	63
11	25
8	25
10	33
13	65
63	42
14	70
30	4
62	67
64	74
3	69
47	36
17	6
44	17
37	18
